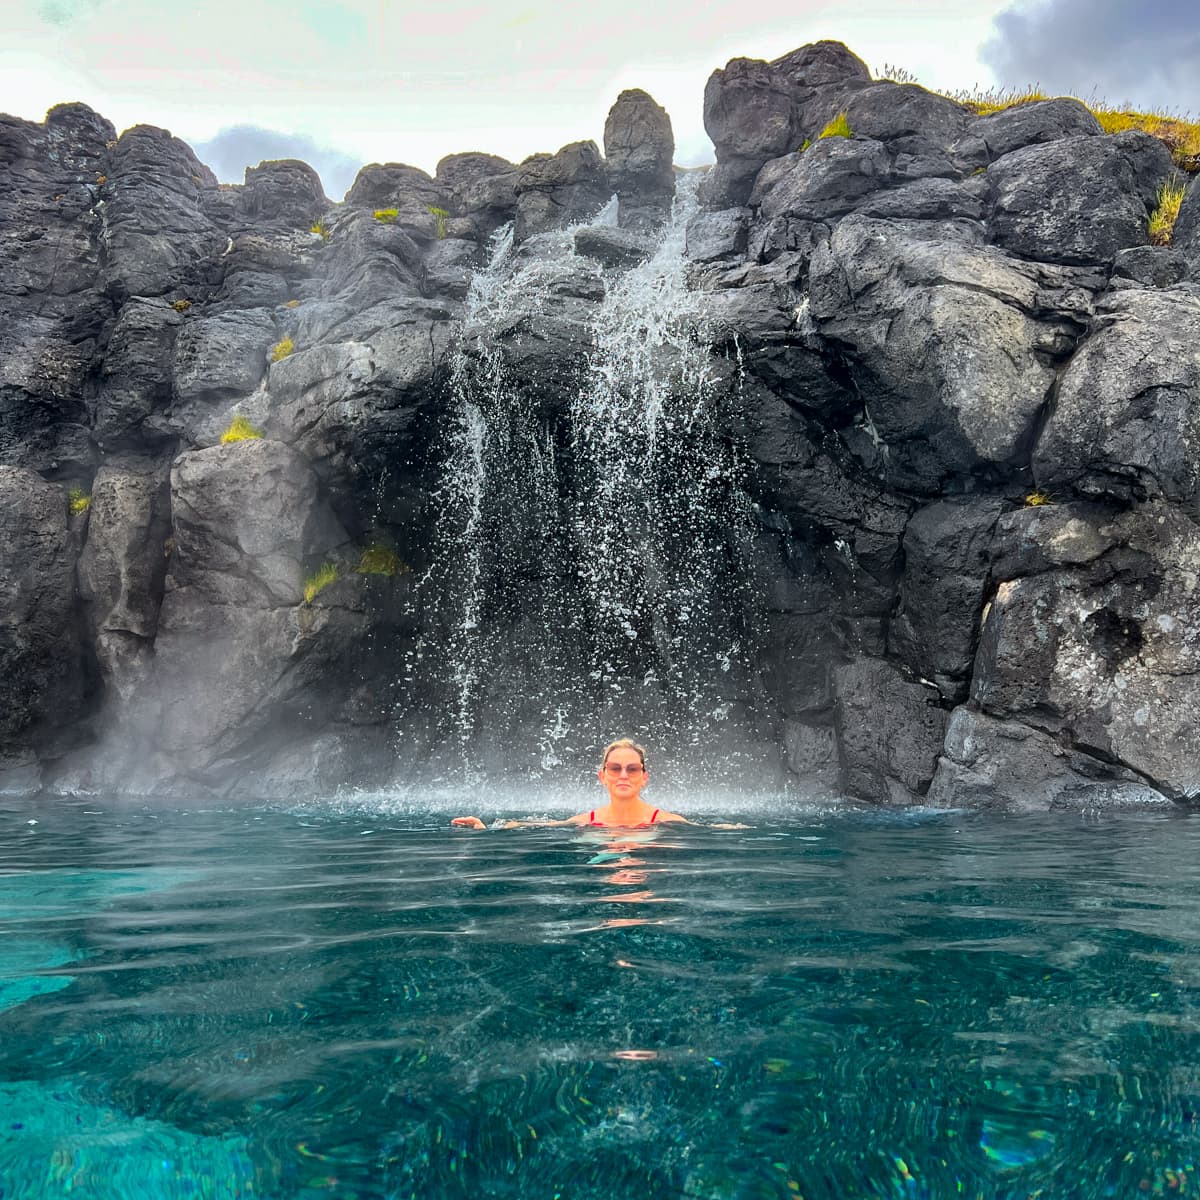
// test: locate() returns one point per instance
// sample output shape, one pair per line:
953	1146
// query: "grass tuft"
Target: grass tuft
319	580
1179	133
983	101
1162	219
240	430
386	215
320	229
439	219
1038	499
79	500
838	127
378	559
282	349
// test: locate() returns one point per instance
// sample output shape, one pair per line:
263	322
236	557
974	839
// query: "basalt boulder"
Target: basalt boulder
158	238
554	190
991	137
639	149
1103	655
951	344
284	193
1126	417
1078	199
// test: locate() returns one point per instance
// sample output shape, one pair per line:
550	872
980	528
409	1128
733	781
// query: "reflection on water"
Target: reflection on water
303	1004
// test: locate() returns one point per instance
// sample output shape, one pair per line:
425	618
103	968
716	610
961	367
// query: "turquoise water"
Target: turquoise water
351	1003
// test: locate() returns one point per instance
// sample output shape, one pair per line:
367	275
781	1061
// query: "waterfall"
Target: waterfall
585	574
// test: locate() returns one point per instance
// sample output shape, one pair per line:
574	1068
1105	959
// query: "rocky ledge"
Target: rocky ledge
968	385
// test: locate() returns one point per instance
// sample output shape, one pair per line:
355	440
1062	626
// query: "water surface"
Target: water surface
346	1001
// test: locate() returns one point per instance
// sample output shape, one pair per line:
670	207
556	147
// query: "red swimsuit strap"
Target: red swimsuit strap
654	817
592	817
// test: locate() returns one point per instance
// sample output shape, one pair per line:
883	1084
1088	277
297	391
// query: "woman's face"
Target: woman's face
623	774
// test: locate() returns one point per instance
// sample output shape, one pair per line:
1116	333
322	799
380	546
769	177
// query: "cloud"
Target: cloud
1122	51
241	146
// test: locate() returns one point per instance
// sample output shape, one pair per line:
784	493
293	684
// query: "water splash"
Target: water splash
585	577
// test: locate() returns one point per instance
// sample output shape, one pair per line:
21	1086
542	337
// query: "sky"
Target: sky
340	83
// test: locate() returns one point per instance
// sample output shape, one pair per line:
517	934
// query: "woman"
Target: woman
623	773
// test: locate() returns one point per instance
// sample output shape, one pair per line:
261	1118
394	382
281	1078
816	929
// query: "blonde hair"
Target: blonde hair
623	744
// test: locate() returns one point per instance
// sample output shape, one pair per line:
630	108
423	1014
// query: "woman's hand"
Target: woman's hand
469	822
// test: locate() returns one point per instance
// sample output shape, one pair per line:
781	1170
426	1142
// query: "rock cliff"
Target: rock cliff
964	388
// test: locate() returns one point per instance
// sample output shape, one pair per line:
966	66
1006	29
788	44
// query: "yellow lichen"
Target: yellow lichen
79	500
320	579
1162	219
386	215
1038	499
378	559
291	304
282	349
181	306
240	430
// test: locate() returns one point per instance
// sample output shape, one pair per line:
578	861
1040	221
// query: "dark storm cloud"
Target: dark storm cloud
241	146
1140	51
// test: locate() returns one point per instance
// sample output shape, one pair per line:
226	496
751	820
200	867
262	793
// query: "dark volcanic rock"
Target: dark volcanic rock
1186	234
136	376
828	179
554	190
1008	767
907	117
889	731
716	235
639	148
1126	420
988	138
158	238
755	111
1104	656
1150	266
482	189
121	572
613	247
41	662
286	192
950	343
1077	200
947	547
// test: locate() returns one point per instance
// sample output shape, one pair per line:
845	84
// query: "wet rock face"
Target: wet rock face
960	386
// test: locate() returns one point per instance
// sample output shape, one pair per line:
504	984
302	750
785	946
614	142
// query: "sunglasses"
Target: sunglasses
618	769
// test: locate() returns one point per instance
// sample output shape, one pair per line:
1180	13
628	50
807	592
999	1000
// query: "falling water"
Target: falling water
585	571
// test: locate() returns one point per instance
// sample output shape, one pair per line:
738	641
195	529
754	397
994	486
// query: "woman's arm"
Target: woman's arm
476	823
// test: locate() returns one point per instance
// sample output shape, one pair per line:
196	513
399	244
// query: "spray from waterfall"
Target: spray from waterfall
585	575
